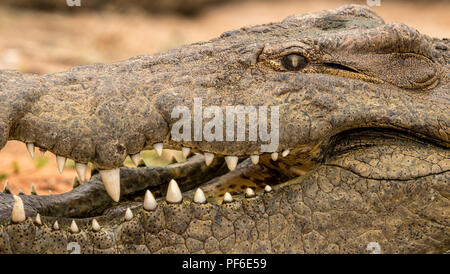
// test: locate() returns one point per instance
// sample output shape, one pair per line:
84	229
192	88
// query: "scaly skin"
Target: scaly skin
366	121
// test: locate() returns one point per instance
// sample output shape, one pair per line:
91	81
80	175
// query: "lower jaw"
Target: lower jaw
90	199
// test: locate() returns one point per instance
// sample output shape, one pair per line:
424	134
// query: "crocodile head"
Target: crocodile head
341	143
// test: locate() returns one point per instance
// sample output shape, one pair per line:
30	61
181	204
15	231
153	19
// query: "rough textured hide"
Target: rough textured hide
364	113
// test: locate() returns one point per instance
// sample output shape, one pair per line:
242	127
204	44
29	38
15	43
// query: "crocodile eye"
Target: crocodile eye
294	62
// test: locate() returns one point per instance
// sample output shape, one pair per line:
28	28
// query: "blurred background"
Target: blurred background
48	36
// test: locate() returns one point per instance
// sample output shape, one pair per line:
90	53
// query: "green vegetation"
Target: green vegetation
40	162
3	176
16	167
70	164
152	159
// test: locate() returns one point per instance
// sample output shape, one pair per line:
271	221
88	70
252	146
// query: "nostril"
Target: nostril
120	148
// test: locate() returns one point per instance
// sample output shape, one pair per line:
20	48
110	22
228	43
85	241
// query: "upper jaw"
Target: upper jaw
103	114
316	108
105	130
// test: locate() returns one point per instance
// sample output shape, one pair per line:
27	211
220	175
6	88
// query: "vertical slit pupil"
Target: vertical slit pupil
294	62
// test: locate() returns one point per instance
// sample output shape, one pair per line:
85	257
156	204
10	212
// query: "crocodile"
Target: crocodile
361	164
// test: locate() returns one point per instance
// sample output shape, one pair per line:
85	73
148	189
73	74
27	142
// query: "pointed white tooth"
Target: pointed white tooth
95	226
128	214
111	180
173	193
20	192
231	162
268	188
33	190
171	157
6	188
18	212
73	227
42	152
227	198
149	201
50	193
37	220
81	171
209	157
61	161
56	225
255	159
249	193
158	148
186	151
199	196
136	158
285	153
274	156
30	148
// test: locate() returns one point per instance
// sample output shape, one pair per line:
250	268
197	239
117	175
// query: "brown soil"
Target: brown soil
21	171
46	42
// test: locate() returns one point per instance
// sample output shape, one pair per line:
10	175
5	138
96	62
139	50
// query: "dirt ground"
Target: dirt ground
47	42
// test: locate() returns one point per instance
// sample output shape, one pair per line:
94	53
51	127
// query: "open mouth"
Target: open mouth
322	133
204	178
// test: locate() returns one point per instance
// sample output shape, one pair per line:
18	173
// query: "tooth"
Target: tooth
30	148
50	193
173	193
37	220
255	159
20	192
172	159
18	212
199	196
74	228
209	157
158	148
249	193
42	151
136	158
227	198
61	161
95	226
56	225
6	188
274	156
268	188
128	214
33	190
186	151
231	162
149	201
285	153
81	171
111	180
